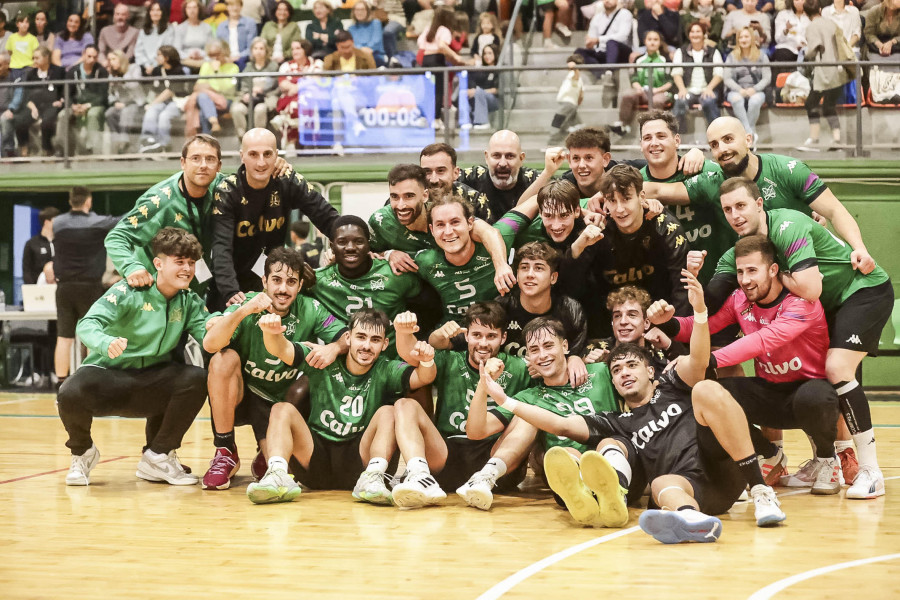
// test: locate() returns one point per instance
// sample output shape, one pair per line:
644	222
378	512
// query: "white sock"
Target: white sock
865	448
276	462
495	467
618	460
377	464
840	445
417	464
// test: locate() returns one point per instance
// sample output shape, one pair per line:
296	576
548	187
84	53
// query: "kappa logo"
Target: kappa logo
122	288
439	274
854	339
334	283
147	307
791	165
379	218
749	317
144	211
410	236
784	226
514	325
112	299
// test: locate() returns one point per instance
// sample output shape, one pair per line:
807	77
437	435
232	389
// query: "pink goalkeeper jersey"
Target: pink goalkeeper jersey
787	340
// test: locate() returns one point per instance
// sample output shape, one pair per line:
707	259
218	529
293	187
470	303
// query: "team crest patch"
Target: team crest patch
585	387
176	315
147	307
377	284
275	199
243	201
290	328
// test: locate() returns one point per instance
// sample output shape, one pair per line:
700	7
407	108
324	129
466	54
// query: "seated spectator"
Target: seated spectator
846	16
697	85
882	30
747	75
155	32
642	86
323	29
260	93
256	11
10	100
557	14
347	57
282	32
21	45
488	33
656	17
41	30
608	38
367	33
383	10
748	16
343	99
766	6
169	98
118	36
291	71
483	88
84	118
4	34
238	32
126	101
40	103
211	97
192	35
70	42
705	12
790	36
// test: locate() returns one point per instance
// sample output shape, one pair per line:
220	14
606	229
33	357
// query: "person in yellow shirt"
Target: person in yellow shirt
212	96
21	46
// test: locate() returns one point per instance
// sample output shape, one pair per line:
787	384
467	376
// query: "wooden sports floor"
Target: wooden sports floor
122	537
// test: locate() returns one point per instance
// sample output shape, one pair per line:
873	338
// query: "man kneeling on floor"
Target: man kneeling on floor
351	424
129	372
680	439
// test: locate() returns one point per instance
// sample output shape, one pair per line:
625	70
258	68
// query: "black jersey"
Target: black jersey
568	311
500	201
651	258
662	433
658	358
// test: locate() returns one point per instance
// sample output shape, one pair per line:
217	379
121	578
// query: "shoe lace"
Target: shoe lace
807	467
868	471
221	463
481	477
173	460
766	495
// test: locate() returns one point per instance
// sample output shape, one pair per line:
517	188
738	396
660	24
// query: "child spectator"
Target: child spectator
569	98
659	87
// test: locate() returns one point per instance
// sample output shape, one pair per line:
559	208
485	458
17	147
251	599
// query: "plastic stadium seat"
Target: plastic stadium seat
874	104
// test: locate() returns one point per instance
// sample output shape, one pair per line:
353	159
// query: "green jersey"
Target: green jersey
265	374
163	205
784	182
703	219
387	233
456	382
151	324
533	230
342	404
379	289
461	286
594	396
803	243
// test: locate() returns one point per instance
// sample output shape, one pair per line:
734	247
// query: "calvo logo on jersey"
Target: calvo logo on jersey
789	365
271	374
642	436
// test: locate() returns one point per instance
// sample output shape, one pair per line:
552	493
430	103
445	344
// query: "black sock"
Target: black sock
225	440
854	406
750	468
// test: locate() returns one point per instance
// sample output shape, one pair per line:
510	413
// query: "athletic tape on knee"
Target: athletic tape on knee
664	490
617	459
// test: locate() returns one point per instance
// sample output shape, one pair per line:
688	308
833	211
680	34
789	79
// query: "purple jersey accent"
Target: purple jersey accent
513	225
329	321
801	243
810	181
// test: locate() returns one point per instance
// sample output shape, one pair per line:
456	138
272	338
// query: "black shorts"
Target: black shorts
772	404
73	300
334	465
466	457
253	410
722	338
721	482
857	324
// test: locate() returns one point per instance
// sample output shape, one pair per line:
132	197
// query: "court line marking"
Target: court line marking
773	588
55	471
516	578
21	400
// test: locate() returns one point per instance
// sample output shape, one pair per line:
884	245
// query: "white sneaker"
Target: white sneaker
549	45
562	30
810	145
676	526
419	489
767	506
277	485
80	471
164	467
828	477
773	467
481	126
869	483
438	124
477	490
803	478
371	487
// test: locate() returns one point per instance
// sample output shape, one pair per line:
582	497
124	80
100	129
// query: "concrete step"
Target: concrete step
538	120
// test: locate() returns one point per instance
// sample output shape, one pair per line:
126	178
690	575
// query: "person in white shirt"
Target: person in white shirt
697	85
790	35
847	18
609	36
736	20
569	98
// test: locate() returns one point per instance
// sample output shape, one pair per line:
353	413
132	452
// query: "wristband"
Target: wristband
387	254
510	404
701	318
427	363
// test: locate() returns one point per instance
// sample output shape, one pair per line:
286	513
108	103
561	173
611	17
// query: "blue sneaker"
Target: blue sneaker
676	526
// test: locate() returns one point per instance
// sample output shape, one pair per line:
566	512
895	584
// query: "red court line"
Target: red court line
56	471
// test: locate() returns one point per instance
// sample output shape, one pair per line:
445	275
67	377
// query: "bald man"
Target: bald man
251	216
503	180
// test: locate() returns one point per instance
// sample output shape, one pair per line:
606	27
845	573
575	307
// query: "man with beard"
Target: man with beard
787	338
693	446
439	162
245	380
402	228
357	280
785	182
503	180
251	215
440	450
817	265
